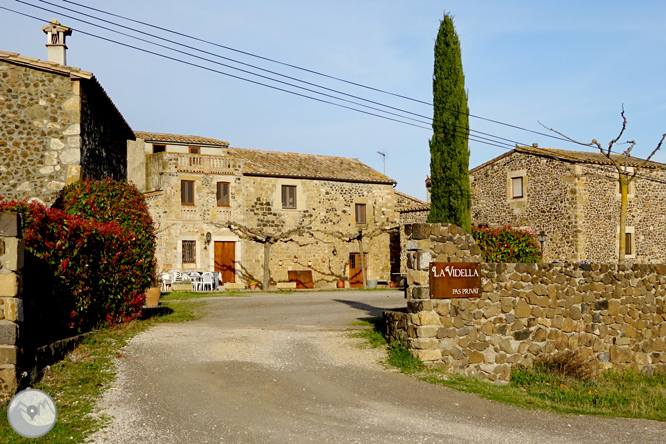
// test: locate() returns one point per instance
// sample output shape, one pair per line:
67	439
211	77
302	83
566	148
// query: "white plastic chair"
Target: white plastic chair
207	281
166	281
196	280
176	276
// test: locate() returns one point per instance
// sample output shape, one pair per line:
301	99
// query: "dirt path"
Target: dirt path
280	369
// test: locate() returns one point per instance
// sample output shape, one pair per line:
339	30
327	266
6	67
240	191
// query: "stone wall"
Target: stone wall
104	135
612	315
575	204
56	128
39	135
11	310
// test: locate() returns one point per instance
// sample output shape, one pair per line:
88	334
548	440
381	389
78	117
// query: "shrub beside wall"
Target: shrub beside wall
83	271
507	245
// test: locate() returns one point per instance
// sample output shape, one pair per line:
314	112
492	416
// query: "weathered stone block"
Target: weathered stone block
9	284
8	354
13	309
476	358
427	331
522	310
427	355
421	292
426	318
10	225
423	259
8	382
13	257
8	332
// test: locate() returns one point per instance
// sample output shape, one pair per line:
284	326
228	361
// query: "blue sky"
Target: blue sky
569	64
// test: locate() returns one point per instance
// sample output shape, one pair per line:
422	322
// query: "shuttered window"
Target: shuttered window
187	192
288	196
517	187
360	213
223	194
189	252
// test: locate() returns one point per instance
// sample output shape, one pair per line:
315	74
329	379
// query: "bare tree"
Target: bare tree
624	175
268	239
358	237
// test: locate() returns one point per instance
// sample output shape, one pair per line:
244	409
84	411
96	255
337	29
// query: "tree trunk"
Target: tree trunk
267	270
360	249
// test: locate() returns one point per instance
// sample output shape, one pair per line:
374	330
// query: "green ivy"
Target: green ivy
509	245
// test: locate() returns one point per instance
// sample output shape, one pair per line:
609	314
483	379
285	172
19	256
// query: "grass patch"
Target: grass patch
76	382
374	338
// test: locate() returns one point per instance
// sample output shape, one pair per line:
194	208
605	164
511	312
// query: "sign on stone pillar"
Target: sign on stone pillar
455	280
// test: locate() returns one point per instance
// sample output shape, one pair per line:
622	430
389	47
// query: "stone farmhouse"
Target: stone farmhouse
195	187
58	125
573	197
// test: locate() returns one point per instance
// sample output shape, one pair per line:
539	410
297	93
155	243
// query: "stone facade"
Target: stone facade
325	206
611	315
11	310
58	125
574	198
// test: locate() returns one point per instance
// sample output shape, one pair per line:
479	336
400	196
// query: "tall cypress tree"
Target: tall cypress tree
449	153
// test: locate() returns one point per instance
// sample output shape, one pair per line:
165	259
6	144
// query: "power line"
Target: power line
456	129
304	69
259	75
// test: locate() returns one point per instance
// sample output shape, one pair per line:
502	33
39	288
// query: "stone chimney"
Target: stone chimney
55	43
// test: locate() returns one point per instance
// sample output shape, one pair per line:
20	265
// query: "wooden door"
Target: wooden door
302	278
225	261
355	274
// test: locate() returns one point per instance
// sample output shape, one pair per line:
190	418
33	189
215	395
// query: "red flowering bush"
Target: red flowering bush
87	268
507	245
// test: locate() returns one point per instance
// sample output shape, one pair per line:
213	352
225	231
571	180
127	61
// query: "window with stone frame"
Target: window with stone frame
360	212
288	196
189	252
517	187
223	194
628	244
187	192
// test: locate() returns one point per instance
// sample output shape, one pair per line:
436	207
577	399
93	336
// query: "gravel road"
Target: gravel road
280	368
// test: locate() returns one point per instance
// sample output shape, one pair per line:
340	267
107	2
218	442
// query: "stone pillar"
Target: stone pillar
11	310
427	243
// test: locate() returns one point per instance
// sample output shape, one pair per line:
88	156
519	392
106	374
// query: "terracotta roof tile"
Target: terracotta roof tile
44	65
584	157
179	138
407	203
310	166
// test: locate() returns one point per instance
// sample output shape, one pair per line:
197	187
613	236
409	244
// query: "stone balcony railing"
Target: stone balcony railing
198	163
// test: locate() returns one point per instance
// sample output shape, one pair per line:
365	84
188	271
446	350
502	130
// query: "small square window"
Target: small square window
223	194
195	150
360	213
157	148
517	187
288	196
189	252
187	192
